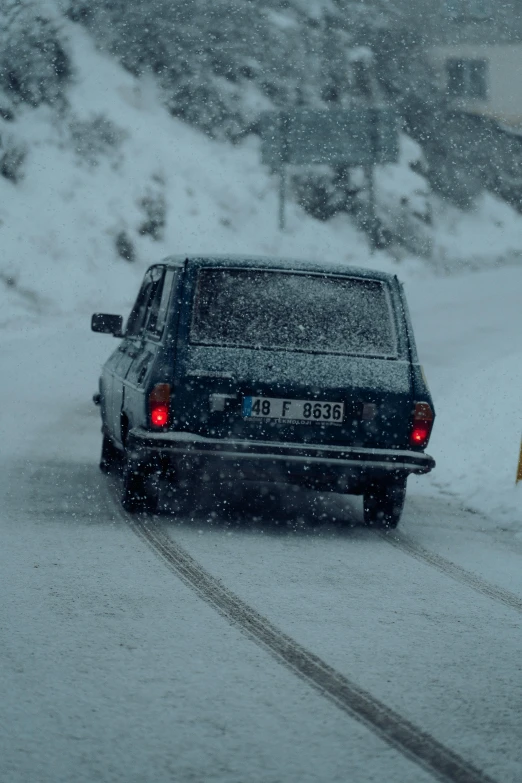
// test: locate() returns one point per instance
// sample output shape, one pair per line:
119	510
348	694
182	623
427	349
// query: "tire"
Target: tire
139	492
180	499
384	503
110	459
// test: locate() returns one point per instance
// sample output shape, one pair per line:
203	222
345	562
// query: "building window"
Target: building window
469	10
467	78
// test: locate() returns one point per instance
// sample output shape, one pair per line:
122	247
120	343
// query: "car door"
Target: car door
153	328
107	388
130	350
153	325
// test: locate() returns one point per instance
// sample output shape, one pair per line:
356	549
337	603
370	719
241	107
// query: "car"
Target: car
266	370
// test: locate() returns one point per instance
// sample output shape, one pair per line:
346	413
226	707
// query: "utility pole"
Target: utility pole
282	196
372	227
283	160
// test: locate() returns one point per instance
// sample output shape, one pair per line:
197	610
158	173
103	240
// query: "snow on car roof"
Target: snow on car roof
269	262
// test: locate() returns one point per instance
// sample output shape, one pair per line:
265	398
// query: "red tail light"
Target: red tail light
422	424
159	405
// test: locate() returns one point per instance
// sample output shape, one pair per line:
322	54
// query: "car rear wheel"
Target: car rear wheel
180	492
384	503
110	458
139	491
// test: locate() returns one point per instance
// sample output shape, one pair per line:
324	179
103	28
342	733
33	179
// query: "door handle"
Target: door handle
143	373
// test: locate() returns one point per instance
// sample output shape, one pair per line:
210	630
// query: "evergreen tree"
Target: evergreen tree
34	64
207	53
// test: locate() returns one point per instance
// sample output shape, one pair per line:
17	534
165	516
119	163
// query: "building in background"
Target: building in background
475	47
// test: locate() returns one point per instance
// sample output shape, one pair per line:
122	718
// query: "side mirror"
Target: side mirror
107	324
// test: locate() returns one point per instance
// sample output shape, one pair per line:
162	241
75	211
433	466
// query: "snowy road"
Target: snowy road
266	639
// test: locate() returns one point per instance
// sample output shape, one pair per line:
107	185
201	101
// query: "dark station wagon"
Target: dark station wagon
260	369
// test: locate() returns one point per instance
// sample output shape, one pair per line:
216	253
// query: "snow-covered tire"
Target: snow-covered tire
179	496
384	503
110	458
137	493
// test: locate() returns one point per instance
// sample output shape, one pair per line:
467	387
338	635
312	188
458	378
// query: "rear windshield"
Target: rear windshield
293	312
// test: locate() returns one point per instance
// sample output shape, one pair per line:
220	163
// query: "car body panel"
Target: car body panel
356	381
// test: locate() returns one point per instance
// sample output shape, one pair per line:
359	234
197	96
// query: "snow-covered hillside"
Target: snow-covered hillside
95	177
60	224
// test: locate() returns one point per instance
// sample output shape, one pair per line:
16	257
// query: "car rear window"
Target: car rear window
294	312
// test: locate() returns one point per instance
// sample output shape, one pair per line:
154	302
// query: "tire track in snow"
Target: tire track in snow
420	747
477	583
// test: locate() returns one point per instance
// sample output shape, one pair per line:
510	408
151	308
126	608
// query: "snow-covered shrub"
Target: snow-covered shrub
220	63
404	200
324	192
467	154
7	112
154	206
125	246
95	137
34	63
12	156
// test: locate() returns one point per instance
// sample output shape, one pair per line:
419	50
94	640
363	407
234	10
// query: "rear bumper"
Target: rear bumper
288	460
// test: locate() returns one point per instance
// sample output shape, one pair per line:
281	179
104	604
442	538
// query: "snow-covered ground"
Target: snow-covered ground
468	330
478	441
113	669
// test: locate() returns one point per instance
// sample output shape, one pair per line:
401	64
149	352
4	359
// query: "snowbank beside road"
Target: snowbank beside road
485	236
476	441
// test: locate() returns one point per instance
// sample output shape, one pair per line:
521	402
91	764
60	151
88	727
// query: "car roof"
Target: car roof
284	264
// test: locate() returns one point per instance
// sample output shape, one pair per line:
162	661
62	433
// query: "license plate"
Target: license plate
293	410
